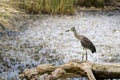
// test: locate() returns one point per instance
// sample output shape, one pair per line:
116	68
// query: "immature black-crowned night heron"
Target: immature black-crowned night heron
85	42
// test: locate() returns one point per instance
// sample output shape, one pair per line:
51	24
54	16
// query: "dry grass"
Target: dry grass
6	13
46	6
56	6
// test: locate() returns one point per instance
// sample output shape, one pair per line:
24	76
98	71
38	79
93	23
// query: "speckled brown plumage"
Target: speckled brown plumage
88	44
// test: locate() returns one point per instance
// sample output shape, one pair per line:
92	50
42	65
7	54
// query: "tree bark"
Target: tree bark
73	68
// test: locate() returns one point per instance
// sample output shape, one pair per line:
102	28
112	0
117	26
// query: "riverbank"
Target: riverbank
12	12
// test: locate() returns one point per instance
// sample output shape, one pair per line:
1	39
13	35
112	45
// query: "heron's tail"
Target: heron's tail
93	50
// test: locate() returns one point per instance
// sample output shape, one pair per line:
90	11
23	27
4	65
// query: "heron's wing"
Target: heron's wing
88	44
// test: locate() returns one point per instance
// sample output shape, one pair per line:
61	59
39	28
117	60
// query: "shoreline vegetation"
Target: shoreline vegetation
11	9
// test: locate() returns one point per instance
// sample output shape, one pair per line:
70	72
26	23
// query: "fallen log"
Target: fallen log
72	69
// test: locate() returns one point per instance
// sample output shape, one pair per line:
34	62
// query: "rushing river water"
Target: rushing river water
43	40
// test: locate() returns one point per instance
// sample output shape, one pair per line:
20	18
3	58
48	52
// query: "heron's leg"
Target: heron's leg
86	54
83	54
82	57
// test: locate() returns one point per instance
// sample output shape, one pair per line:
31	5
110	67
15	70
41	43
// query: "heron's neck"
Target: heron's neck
77	35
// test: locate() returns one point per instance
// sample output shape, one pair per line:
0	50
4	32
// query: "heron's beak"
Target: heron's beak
67	31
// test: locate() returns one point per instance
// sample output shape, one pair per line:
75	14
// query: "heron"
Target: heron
85	42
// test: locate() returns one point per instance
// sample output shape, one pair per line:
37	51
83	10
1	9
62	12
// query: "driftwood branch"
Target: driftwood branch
74	68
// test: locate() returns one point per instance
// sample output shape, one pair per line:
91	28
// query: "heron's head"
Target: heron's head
72	29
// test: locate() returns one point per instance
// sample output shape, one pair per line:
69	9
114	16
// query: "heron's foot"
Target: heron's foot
86	55
82	57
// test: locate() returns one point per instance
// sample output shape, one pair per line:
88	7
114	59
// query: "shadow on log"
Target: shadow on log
72	69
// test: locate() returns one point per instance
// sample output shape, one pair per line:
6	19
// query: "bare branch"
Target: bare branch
74	68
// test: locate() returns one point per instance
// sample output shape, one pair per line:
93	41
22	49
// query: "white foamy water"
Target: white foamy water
45	41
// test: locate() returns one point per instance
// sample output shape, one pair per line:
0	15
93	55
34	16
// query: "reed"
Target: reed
47	6
56	6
